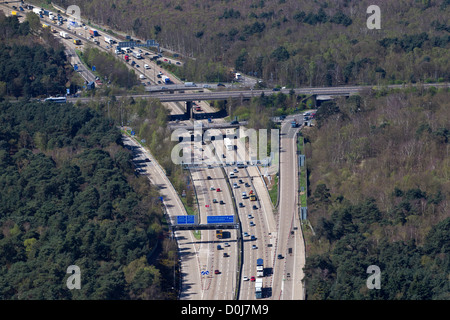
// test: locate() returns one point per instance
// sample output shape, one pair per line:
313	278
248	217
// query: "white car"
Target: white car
142	77
146	66
245	278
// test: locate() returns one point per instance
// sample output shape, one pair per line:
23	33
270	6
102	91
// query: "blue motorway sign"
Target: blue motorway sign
220	219
189	219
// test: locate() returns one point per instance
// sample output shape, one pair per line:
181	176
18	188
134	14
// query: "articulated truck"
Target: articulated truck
258	288
260	267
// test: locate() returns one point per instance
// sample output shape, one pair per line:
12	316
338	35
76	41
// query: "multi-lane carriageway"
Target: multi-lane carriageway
203	255
256	237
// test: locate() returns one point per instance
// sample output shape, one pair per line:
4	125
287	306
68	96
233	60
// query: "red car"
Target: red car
252	279
218	189
216	271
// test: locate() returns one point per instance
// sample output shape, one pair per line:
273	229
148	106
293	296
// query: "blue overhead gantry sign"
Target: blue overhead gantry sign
189	219
148	43
219	219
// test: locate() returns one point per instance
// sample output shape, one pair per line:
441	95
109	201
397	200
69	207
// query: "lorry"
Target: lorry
260	267
137	55
14	13
37	11
258	288
77	41
93	32
190	84
127	58
64	34
166	79
108	40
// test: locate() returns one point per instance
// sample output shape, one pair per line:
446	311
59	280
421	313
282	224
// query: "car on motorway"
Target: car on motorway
218	189
221	202
241	205
245	278
208	177
216	271
250	216
255	207
212	188
220	85
252	279
215	201
276	89
146	66
147	160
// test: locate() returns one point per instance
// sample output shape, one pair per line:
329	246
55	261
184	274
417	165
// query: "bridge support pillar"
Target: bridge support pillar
189	109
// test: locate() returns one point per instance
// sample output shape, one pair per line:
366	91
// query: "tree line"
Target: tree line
69	196
289	42
378	195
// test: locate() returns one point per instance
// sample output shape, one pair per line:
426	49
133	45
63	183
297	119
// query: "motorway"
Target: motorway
288	283
214	199
275	233
187	247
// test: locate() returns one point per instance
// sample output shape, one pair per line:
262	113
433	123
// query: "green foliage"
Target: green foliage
74	202
379	205
111	68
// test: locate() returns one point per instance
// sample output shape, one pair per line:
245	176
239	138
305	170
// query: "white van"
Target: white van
142	77
146	66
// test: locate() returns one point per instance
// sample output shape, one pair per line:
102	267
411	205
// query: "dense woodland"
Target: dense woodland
379	181
291	42
29	67
69	196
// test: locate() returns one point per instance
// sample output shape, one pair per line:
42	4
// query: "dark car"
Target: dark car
147	160
220	85
255	207
216	271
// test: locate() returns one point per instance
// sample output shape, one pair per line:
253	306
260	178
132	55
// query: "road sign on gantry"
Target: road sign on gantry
219	219
189	219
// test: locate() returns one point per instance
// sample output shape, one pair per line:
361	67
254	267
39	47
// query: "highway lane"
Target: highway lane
288	271
187	246
214	198
257	221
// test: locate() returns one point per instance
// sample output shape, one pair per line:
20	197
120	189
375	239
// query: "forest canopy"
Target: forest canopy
69	196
